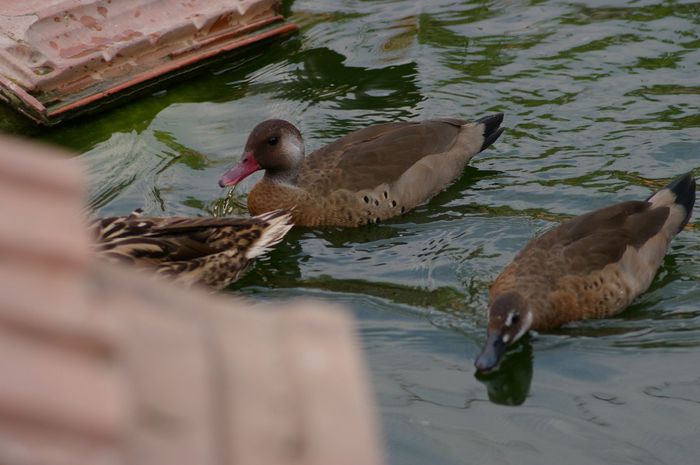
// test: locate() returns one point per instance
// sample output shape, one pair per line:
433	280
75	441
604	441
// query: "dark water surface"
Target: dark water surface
602	102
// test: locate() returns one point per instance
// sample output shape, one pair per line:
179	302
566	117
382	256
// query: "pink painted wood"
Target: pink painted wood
102	366
59	58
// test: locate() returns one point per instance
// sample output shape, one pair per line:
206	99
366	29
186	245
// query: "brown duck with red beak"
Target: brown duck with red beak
591	266
369	175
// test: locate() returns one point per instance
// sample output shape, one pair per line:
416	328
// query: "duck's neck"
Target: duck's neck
287	177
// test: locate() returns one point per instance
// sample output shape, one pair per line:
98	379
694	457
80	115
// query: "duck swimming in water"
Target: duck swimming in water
367	176
591	266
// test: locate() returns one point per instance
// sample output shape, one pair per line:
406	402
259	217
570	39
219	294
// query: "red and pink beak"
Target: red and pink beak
247	166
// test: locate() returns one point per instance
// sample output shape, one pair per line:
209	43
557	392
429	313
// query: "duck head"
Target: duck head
509	319
275	146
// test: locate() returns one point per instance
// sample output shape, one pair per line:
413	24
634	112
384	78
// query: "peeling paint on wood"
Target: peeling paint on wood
61	58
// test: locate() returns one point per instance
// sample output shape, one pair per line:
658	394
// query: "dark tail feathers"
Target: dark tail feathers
492	129
683	187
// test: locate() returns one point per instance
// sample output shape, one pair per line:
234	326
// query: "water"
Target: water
602	105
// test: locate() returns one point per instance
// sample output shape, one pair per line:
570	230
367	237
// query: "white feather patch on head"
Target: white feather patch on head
525	326
293	146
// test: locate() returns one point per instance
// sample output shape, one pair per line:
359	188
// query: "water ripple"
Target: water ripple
601	106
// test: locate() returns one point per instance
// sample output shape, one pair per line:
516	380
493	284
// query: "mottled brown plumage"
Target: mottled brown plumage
591	266
209	251
369	175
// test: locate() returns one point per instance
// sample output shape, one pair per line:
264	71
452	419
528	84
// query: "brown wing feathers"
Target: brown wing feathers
217	249
603	236
364	163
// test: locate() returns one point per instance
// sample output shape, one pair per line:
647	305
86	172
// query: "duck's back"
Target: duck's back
378	154
209	251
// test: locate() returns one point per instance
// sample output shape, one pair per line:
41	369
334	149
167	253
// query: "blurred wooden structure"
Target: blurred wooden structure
102	366
61	58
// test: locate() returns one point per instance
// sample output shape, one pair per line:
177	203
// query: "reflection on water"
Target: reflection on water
510	384
321	75
601	106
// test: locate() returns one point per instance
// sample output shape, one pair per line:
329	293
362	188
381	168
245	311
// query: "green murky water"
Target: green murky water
602	102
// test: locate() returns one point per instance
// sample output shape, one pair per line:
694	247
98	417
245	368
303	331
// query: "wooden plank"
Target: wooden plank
170	371
23	443
324	363
104	365
62	395
61	58
259	405
61	387
42	209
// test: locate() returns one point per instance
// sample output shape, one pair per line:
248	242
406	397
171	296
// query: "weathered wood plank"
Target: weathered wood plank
102	365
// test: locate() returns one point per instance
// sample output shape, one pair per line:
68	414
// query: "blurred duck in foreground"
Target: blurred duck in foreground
210	251
369	175
591	266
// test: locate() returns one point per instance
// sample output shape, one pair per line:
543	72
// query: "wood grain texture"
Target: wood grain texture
108	365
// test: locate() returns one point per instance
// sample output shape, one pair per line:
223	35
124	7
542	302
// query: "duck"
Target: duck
367	176
209	252
591	266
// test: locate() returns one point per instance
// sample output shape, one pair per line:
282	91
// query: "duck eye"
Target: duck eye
272	140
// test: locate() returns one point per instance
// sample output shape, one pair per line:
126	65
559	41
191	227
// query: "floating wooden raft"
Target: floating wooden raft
61	58
99	366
